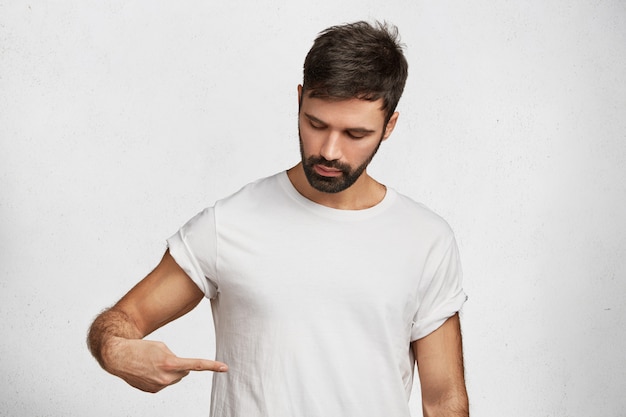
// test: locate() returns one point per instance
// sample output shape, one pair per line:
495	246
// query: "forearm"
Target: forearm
107	328
453	404
442	375
116	337
116	342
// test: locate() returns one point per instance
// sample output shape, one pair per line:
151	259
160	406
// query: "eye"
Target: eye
355	135
316	126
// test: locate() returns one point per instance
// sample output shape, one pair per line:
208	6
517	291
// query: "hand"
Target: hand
151	366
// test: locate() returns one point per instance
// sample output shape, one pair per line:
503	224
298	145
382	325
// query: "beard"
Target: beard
333	184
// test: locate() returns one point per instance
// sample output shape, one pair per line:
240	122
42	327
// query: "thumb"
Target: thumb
194	364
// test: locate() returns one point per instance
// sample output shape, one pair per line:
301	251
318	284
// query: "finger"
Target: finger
177	380
189	364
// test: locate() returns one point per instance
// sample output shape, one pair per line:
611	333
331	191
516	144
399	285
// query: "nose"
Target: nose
331	149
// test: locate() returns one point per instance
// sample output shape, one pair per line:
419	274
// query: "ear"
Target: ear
299	94
391	124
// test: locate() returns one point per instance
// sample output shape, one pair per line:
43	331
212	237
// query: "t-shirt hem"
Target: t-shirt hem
181	254
429	324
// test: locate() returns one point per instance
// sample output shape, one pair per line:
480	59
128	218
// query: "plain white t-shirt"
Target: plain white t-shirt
315	308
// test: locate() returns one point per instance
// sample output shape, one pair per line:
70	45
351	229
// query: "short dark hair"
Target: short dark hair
357	60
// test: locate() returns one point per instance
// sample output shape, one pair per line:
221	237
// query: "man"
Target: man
326	286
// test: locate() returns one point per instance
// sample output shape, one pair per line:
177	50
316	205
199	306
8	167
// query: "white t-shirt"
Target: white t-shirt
315	308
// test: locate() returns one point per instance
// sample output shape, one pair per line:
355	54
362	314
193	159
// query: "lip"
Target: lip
326	171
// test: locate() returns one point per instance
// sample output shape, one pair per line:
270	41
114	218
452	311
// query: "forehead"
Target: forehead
351	112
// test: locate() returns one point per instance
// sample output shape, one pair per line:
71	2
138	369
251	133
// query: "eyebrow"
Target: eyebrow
350	129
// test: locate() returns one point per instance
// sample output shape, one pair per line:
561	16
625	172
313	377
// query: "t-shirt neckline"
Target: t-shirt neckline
333	213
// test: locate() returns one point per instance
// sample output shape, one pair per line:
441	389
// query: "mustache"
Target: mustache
320	160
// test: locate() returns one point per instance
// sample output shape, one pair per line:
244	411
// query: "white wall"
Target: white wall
119	120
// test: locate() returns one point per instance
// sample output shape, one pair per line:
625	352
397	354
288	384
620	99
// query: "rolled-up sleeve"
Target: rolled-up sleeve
194	249
442	295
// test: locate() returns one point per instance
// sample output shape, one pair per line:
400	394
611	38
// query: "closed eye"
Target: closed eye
356	135
359	133
314	122
316	125
352	133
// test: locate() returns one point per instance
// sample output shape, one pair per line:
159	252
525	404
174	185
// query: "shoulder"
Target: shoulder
254	189
417	217
255	197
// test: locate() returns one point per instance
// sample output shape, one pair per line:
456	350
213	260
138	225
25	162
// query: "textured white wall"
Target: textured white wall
119	120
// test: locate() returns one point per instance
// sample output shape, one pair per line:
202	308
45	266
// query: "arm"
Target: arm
440	366
115	337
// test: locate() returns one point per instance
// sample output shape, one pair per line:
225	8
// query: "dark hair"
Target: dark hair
357	60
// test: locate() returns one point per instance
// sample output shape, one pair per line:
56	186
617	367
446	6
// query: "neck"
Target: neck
366	192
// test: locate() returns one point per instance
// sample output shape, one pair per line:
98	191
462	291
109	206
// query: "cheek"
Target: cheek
310	139
362	150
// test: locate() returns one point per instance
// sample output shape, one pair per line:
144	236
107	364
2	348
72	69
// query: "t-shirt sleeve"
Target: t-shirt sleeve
441	293
194	249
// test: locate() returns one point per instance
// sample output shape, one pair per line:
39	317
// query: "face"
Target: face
338	139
